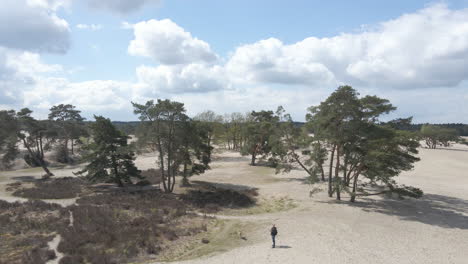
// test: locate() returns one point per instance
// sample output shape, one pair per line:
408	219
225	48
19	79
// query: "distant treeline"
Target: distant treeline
462	129
129	126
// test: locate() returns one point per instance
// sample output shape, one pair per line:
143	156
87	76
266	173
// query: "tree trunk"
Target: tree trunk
353	193
185	181
355	181
42	149
330	189
161	156
66	150
345	169
253	159
116	172
296	157
337	176
322	172
72	148
38	159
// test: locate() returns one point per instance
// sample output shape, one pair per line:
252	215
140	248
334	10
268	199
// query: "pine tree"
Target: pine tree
110	158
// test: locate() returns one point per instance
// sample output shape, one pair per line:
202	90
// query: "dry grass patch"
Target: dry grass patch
222	235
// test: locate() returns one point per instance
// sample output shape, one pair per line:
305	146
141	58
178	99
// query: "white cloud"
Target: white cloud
428	48
92	27
93	95
126	25
33	25
19	71
120	6
191	78
167	43
422	54
270	61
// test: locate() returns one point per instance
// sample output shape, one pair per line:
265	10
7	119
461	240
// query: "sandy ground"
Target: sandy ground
433	229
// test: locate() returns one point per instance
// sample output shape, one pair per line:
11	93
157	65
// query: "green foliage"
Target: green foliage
9	128
261	136
110	158
69	126
438	136
36	136
178	140
360	144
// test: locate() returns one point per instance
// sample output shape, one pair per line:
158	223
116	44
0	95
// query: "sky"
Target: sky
234	56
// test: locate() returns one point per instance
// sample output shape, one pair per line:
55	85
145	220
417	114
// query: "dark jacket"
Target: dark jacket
274	232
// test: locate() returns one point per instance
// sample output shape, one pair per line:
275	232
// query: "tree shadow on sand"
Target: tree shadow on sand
432	209
24	178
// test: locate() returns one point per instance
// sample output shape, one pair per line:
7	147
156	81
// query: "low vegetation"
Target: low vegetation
60	188
214	200
25	229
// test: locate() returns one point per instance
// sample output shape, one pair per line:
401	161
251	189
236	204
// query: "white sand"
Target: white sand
433	229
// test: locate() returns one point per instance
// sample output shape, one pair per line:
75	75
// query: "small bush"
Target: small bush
62	155
152	175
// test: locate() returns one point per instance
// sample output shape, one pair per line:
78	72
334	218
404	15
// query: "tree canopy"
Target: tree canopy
109	157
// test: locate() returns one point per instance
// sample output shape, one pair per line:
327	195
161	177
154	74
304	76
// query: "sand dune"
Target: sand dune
433	229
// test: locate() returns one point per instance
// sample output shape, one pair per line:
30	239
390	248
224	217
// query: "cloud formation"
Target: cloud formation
167	43
33	25
191	78
428	48
425	52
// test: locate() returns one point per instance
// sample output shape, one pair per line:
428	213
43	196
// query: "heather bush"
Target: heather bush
59	188
213	200
120	226
25	229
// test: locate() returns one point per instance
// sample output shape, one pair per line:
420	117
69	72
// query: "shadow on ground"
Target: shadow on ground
283	247
226	186
24	178
230	159
432	209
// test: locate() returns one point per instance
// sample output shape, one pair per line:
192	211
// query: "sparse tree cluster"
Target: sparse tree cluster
435	136
347	130
178	141
21	130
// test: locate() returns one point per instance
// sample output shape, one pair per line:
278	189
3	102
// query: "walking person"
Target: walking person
273	233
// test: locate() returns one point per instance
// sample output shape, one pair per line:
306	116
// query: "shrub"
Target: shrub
62	155
152	175
119	226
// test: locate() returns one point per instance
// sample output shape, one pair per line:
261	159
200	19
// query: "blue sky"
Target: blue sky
234	55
